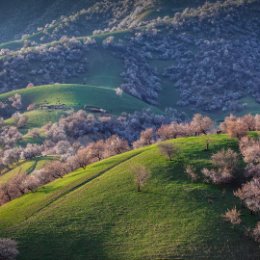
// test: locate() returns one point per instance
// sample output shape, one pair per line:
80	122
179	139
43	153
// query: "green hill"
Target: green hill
159	53
52	101
77	96
96	213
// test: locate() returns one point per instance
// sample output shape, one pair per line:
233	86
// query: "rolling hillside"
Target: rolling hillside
96	213
53	101
188	55
84	80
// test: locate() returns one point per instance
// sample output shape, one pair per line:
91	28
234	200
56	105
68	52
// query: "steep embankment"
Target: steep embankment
96	213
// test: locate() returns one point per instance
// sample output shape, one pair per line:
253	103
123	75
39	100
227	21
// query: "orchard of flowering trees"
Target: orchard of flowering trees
80	139
203	66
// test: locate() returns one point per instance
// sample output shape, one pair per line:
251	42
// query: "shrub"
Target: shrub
191	173
20	120
256	232
225	159
168	150
141	176
225	163
250	149
218	176
249	193
233	216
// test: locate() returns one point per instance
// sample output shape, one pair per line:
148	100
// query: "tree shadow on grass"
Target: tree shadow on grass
60	245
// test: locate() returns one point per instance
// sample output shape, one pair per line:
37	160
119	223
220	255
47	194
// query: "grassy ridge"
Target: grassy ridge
76	96
97	214
73	96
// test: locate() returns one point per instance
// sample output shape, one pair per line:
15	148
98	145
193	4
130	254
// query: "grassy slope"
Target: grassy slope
102	73
73	96
104	69
97	214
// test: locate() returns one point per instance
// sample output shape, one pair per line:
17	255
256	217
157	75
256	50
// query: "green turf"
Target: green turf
73	97
77	96
37	118
97	214
102	73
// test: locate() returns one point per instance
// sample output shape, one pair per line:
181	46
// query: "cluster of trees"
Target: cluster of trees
12	153
128	126
71	132
210	10
197	126
46	64
107	16
139	78
17	186
80	139
65	137
23	183
249	192
227	168
9	136
213	69
11	105
71	140
239	126
225	164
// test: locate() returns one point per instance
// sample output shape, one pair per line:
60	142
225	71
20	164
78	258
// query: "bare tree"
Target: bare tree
81	158
234	127
207	142
170	131
146	138
201	124
141	176
168	150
